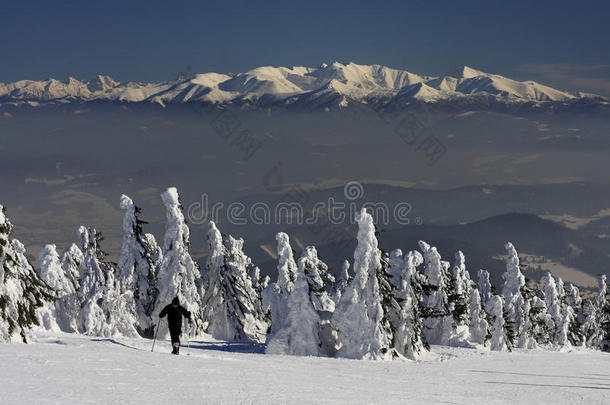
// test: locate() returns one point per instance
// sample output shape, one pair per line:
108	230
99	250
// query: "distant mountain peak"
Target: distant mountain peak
465	72
101	82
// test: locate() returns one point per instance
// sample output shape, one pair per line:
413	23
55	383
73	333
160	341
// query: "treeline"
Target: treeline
387	305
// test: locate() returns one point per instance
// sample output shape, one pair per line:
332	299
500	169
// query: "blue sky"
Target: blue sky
561	43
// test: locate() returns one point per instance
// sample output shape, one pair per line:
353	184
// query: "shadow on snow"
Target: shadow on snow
547	385
115	342
233	347
542	375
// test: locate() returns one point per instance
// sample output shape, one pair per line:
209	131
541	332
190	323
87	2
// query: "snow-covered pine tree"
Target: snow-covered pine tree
485	289
343	280
458	296
321	282
553	290
542	325
71	260
438	320
562	330
512	294
231	305
594	309
602	317
104	310
605	326
363	330
561	291
46	312
418	284
389	299
275	296
50	270
478	325
258	282
178	274
575	334
574	298
24	297
323	292
459	290
406	319
497	327
66	309
526	338
138	264
299	333
94	268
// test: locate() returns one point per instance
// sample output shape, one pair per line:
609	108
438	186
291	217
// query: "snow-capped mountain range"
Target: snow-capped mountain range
335	84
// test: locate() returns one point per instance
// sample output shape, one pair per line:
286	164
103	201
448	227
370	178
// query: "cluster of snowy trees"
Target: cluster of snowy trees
389	305
81	291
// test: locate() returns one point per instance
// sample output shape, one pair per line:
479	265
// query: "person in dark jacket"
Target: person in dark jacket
174	312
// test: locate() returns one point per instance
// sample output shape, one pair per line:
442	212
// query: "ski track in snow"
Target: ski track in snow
65	368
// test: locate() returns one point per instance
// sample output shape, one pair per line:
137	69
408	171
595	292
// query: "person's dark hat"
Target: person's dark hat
176	301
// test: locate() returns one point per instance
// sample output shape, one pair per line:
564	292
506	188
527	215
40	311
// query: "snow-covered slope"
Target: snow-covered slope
329	84
71	369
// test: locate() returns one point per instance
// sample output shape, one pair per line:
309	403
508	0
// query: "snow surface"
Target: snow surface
63	368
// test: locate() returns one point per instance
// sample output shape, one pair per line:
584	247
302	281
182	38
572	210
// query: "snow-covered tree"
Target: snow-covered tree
50	270
66	309
46	312
321	282
459	290
561	291
574	298
299	333
497	327
485	290
406	318
542	326
275	296
343	280
323	293
526	334
105	311
24	297
231	305
562	330
478	325
512	294
438	319
458	295
553	303
594	310
360	320
178	274
258	282
94	268
575	334
604	317
138	264
71	260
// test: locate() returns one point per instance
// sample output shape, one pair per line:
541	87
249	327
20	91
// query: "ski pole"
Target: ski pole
188	339
155	339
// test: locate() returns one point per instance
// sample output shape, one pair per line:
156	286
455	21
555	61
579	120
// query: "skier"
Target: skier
174	312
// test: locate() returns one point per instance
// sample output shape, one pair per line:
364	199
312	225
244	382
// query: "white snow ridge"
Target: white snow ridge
334	84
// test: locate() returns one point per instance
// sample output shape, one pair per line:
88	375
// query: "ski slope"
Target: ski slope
76	369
